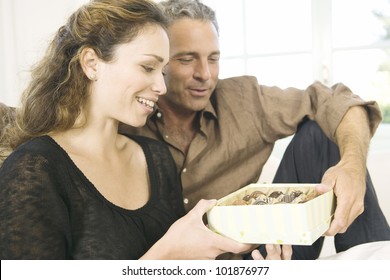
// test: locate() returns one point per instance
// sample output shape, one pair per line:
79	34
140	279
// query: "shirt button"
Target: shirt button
185	200
159	115
184	170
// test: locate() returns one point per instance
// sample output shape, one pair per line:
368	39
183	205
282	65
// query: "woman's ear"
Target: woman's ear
89	63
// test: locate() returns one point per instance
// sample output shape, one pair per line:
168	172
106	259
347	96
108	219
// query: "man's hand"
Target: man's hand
274	252
349	189
348	177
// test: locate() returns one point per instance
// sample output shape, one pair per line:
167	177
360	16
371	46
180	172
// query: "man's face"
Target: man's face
192	72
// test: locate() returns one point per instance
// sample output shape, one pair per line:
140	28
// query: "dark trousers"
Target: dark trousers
307	157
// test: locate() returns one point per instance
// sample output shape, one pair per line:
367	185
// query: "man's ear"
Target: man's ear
89	63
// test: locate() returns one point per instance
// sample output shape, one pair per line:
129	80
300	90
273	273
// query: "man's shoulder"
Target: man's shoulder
239	83
242	86
238	80
236	93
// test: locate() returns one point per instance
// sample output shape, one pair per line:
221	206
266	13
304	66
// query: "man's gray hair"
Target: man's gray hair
193	9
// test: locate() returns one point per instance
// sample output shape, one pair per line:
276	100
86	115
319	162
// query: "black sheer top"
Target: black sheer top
50	210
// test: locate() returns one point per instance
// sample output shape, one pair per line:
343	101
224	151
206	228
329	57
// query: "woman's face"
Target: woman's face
128	87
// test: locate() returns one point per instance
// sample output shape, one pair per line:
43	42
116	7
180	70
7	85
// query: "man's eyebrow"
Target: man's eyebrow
184	54
194	53
158	58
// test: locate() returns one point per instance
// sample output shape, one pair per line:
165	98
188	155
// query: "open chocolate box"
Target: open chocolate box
273	214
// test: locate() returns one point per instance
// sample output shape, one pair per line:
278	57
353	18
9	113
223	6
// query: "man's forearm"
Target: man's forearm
353	137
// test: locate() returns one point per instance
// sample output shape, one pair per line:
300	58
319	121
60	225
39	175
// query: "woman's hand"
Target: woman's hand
190	238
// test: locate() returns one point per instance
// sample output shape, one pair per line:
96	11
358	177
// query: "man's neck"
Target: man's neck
180	126
178	117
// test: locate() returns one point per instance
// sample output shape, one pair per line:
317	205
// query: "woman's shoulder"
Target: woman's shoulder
42	147
144	141
154	150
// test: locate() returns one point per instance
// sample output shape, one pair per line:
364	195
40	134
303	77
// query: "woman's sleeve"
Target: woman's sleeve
34	219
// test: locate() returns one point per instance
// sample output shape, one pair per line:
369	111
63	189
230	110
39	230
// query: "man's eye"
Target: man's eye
214	58
185	60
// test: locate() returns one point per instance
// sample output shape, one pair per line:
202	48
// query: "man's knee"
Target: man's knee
310	135
308	156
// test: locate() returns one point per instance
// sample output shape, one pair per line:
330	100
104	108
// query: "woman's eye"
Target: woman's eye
148	68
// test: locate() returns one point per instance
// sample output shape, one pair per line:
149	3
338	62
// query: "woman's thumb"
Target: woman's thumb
203	206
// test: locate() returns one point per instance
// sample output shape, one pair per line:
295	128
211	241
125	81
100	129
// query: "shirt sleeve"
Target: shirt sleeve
285	108
33	216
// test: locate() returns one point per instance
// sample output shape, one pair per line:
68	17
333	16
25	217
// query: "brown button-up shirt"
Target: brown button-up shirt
238	129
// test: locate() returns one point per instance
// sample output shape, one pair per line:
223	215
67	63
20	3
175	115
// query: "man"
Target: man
221	132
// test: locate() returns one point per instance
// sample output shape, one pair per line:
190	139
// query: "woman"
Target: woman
76	189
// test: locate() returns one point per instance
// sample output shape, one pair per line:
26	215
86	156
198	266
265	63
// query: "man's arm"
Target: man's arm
348	177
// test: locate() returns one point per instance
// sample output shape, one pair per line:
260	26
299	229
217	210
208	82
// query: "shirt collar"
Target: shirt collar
208	110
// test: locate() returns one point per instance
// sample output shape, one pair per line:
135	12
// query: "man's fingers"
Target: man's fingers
256	255
273	252
324	187
286	252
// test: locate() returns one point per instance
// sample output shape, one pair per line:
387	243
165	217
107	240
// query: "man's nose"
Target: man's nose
202	70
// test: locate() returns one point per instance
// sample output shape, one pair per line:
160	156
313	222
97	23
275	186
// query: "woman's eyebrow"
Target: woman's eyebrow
158	58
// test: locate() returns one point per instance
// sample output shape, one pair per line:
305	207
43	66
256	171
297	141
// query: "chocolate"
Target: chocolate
259	202
239	202
287	198
276	194
256	194
257	197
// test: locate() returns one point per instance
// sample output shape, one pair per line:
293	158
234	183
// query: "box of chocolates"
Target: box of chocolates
273	214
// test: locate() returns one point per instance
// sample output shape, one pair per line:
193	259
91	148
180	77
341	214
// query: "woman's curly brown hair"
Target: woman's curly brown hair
7	127
59	89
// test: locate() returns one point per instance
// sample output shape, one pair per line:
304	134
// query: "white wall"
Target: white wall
26	27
